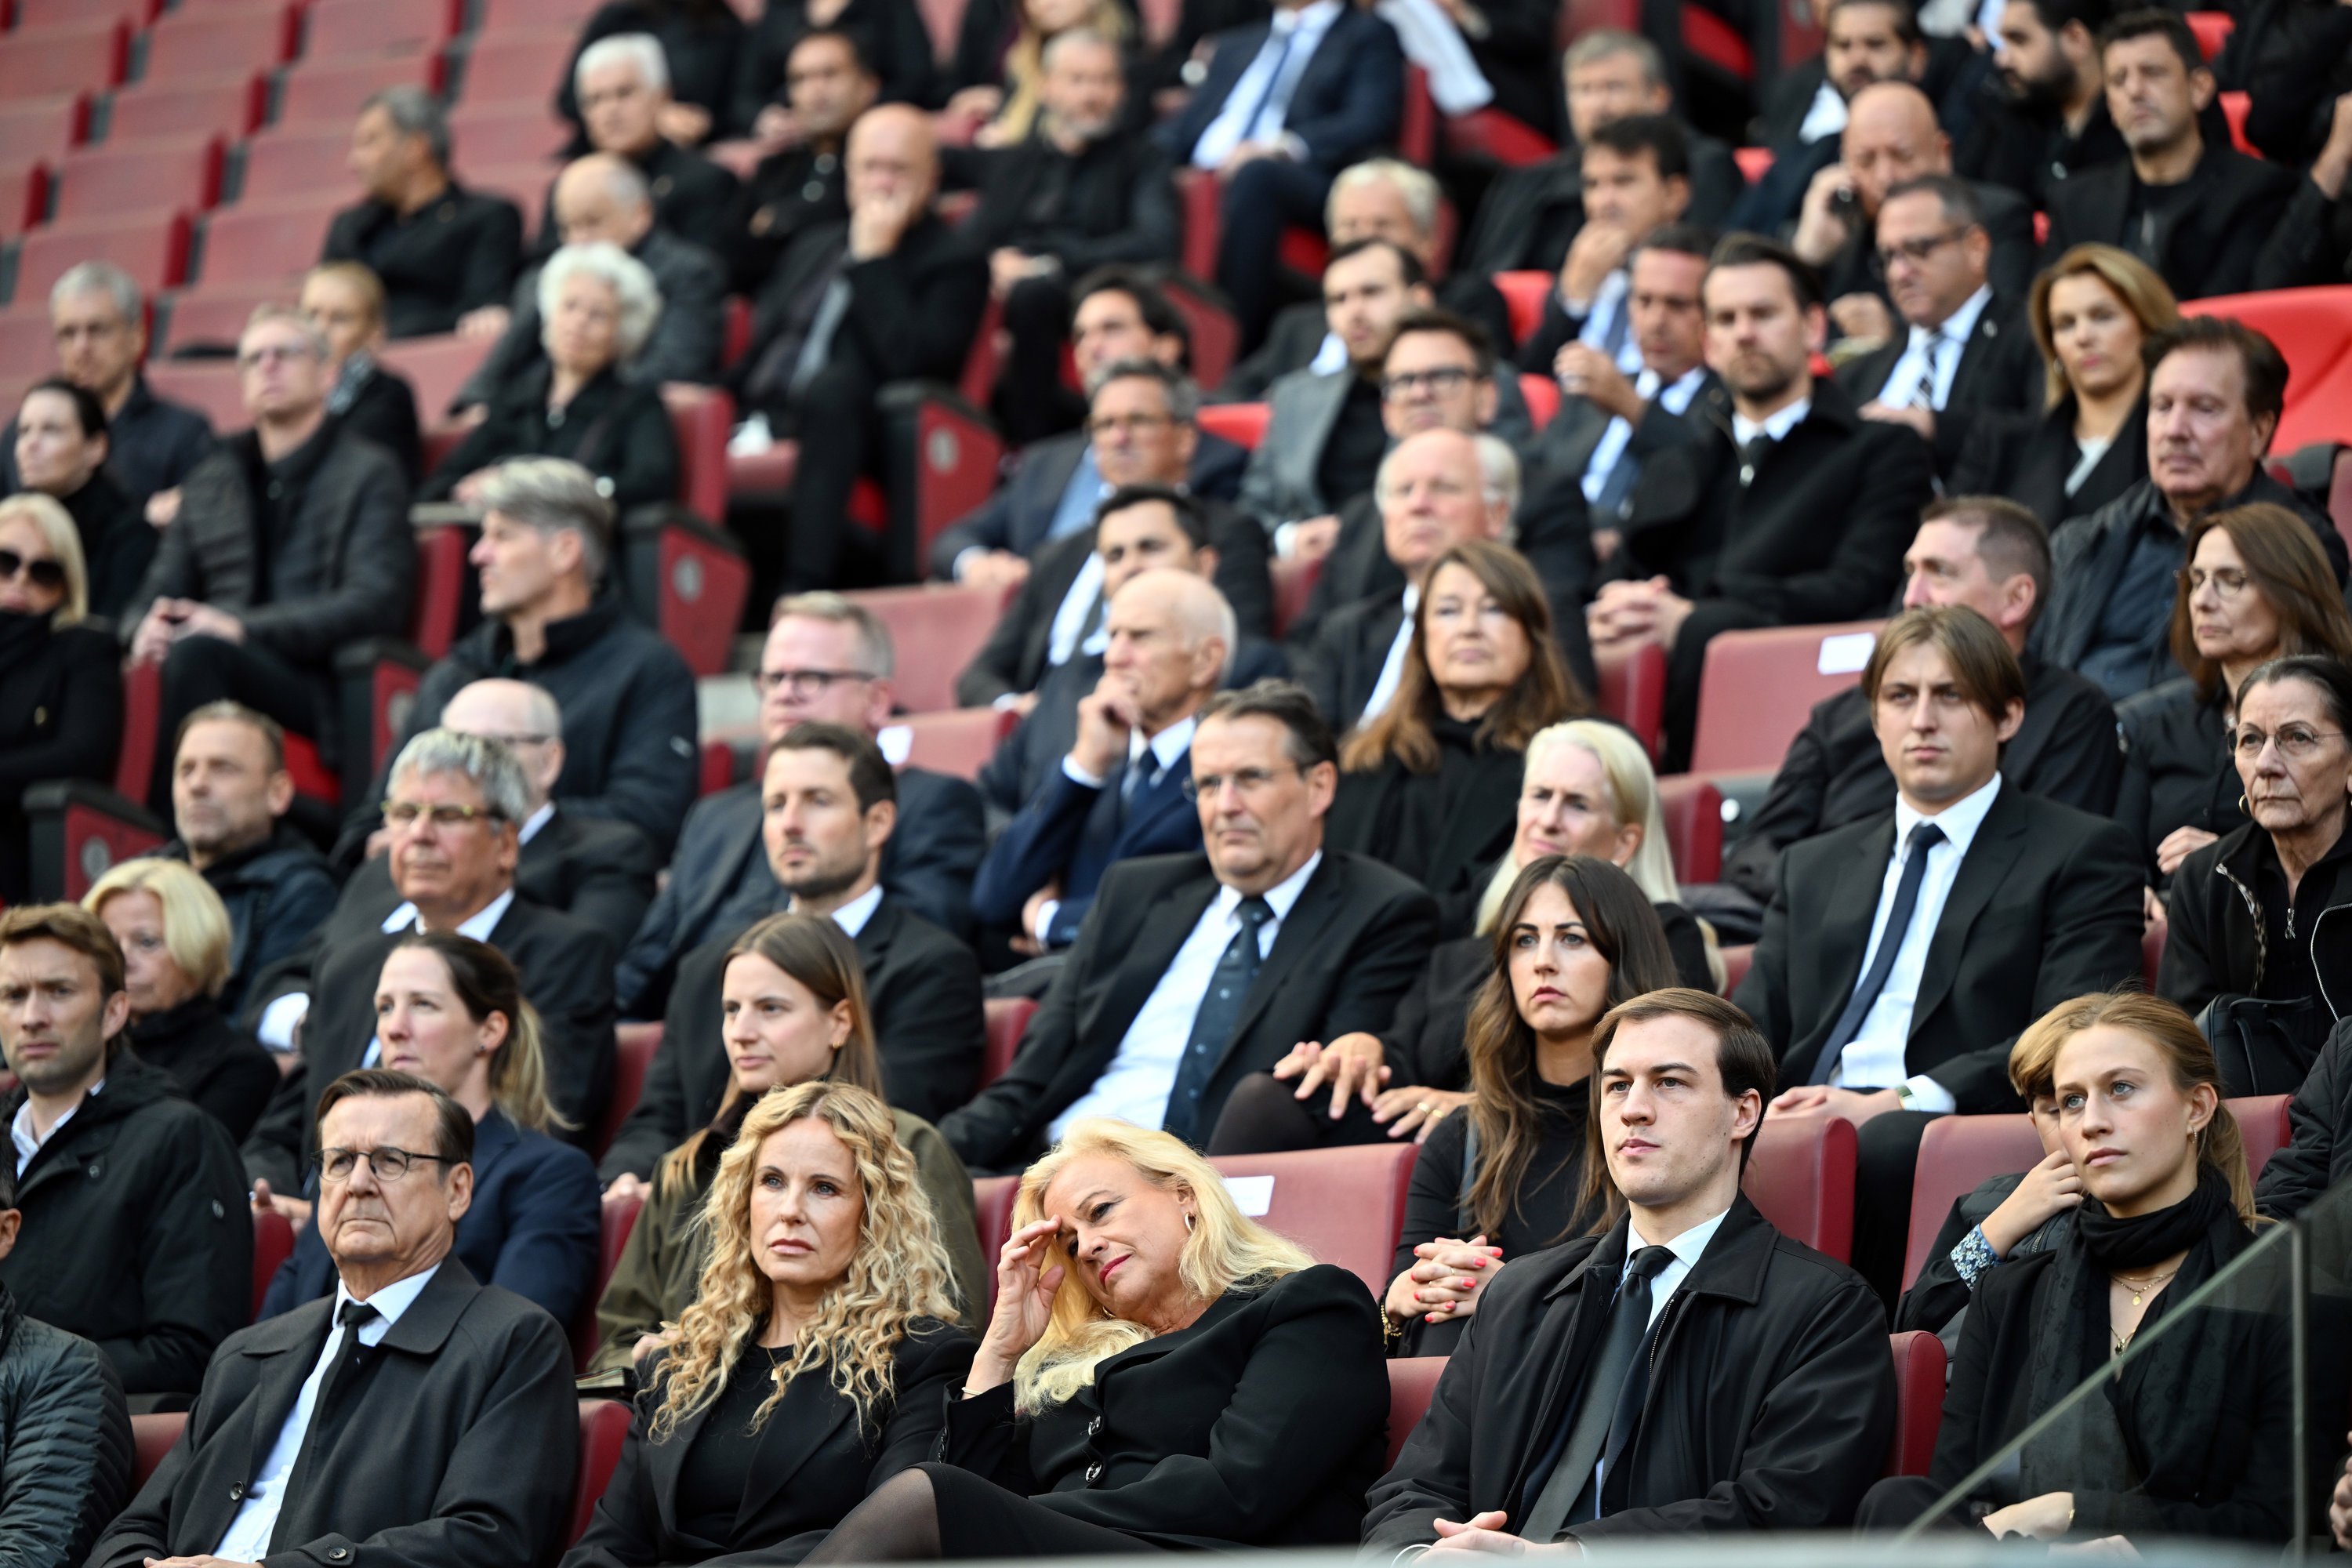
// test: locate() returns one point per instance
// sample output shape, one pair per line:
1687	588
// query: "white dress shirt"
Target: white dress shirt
852	916
28	1142
534	822
1393	667
1777	423
1136	1086
1825	116
247	1540
1077	608
1686	1248
1874	1059
1938	349
1676	399
1257	95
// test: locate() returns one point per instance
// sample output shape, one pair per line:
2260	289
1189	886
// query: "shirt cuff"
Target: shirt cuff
1005	700
1286	539
1078	776
1046	913
1294	146
1924	1093
280	1020
965	557
1973	1257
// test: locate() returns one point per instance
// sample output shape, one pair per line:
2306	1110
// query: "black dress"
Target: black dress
221	1068
618	432
2177	771
2028	458
116	541
60	718
1441	827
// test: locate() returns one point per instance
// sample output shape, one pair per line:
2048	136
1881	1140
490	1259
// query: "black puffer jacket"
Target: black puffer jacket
65	1443
2321	1153
2222	944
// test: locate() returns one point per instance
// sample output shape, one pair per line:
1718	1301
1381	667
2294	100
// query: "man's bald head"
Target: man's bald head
1891	136
1432	493
1171	638
603	196
1190	601
522	717
892	148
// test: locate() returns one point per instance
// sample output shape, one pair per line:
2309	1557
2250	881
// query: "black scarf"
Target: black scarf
2127	1246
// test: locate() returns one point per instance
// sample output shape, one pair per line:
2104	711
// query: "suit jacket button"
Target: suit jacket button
1094	1472
1094	1427
236	1492
339	1553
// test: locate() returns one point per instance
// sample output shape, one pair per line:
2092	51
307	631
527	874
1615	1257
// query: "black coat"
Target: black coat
380	406
2320	1155
2026	148
472	1388
60	718
2178	771
685	342
628	706
2028	457
2312	246
2046	906
136	1234
1114	201
1444	829
616	431
2223	944
116	541
1530	215
1260	1424
66	1455
1342	665
1343	955
218	1066
2000	373
567	977
800	188
700	43
1344	104
720	880
458	253
891	39
151	444
278	894
1020	512
1771	1404
2210	240
929	1029
813	1461
1834	773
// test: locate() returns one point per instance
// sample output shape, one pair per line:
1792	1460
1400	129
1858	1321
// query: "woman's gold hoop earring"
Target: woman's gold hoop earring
2243	809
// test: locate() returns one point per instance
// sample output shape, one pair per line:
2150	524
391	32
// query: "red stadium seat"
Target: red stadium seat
620	1218
2212	29
2339	496
1542	394
2151	953
506	16
1693	810
2262	1126
519	66
140	176
441	586
273	1244
268	242
489	134
332	91
603	1429
935	630
958	741
992	1206
224	106
207	385
304	161
78	832
1755	162
1345	1206
336	28
436	367
43	128
1760	686
26	340
1493	134
153	248
1800	1177
1524	294
1736	961
23	198
1956	1154
1216	337
1007	1017
1197	197
206	41
1416	137
634	1045
208	322
1633	692
1412	1383
686	580
1294	581
2235	107
2313	328
1918	1401
81	57
701	418
30	15
525	184
152	1437
1242	424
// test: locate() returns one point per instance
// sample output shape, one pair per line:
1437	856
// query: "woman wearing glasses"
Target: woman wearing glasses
60	689
2256	588
451	1010
2262	911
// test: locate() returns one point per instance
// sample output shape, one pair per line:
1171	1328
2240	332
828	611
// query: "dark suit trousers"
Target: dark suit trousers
201	669
1886	1156
840	433
1259	202
1031	401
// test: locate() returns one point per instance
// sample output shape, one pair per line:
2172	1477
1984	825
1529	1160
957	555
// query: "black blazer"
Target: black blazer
1771	1404
813	1461
2321	1153
618	432
1346	103
928	1026
912	314
2027	457
1258	1426
2000	373
1114	201
457	255
2045	892
599	872
1018	514
383	409
2177	770
2211	241
1342	665
60	718
1345	954
472	1388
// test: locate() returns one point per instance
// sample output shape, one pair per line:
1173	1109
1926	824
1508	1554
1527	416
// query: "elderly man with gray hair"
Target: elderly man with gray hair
455	810
292	542
622	84
440	250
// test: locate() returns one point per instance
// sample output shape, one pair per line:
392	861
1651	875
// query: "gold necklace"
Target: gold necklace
2141	1289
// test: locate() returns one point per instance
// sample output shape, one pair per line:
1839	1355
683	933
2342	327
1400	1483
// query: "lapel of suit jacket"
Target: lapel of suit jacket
873	939
495	1137
1153	803
1162	929
1842	937
1867	374
2000	839
283	1349
1317	400
1317	905
1045	474
1980	356
741	840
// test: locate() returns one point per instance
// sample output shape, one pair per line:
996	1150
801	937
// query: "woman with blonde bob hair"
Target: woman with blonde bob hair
1160	1371
2191	1437
174	935
816	1357
61	680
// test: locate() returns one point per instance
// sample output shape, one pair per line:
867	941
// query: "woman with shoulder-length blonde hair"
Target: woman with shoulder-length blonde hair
2191	1437
1160	1372
818	1355
61	696
794	1010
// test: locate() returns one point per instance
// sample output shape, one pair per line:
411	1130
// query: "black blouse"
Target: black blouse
1441	828
711	1480
116	541
2028	458
619	433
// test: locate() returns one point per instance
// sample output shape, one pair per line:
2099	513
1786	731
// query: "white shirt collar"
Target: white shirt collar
391	1301
20	1131
478	925
852	916
535	820
1958	820
1315	18
1167	746
1280	896
1777	425
1960	325
1677	396
1686	1247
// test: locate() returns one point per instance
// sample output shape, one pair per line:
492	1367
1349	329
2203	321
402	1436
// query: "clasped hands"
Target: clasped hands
1627	615
1353	1065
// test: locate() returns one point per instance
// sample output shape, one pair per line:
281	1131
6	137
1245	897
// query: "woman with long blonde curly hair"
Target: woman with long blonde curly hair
816	1357
1161	1371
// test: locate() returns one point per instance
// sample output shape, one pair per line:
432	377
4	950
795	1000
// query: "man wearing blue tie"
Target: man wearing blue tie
1902	955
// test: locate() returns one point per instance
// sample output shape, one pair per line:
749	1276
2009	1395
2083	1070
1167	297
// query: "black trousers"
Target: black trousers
1031	402
1259	203
1264	1115
839	429
1886	1158
935	1511
201	669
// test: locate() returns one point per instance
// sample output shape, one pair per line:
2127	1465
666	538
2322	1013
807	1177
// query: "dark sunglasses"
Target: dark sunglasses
50	574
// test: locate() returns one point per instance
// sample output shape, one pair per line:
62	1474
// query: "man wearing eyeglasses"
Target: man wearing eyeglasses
552	616
454	808
415	1416
1965	350
134	1231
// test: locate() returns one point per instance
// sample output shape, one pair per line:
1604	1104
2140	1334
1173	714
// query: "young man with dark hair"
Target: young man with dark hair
828	83
2049	121
1753	1368
1636	177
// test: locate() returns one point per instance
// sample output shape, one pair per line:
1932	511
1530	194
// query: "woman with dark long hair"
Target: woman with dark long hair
1517	1170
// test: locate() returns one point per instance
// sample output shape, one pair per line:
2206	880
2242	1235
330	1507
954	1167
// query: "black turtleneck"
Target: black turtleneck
117	543
219	1066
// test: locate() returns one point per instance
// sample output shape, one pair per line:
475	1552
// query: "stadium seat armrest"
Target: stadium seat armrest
79	830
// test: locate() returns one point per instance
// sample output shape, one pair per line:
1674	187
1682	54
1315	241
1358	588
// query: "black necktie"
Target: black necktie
1751	456
1568	1494
350	1359
1924	838
1213	1026
1141	775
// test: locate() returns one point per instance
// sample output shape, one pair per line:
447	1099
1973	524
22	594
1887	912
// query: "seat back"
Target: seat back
2313	328
79	56
701	418
1008	1018
1524	294
1294	584
1345	1206
266	242
1693	810
1800	1177
1759	687
1633	692
1413	1382
1542	394
138	176
1956	1154
228	106
442	579
303	160
520	65
688	579
335	29
634	1045
153	248
273	1244
207	385
43	128
1918	1401
212	40
2263	1128
23	198
992	1207
1736	959
935	630
152	1437
332	91
1217	336
1242	424
958	741
483	135
603	1429
620	1218
437	367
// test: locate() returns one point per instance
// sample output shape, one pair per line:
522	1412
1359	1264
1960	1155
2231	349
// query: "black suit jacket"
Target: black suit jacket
2000	373
1769	1406
471	1388
693	199
1346	103
1017	516
813	1460
1114	202
2046	906
912	314
2214	236
600	872
1529	216
457	255
1342	665
922	984
2027	457
1348	950
2008	220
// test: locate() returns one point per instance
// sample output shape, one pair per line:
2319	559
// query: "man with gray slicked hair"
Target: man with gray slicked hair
454	808
440	250
100	325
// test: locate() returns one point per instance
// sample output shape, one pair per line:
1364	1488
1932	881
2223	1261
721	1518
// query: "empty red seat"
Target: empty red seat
1345	1206
701	418
43	128
1957	1155
603	1430
524	184
1633	692
23	198
213	42
207	385
1918	1401
507	16
687	579
225	106
336	28
1759	688
1294	584
266	242
1800	1177
152	1437
2262	1126
957	741
436	366
1242	424
2212	29
26	340
935	630
39	13
210	321
1007	1017
1412	1383
518	67
486	135
1524	294
1736	961
1693	811
273	1244
300	161
332	91
2313	328
153	248
126	175
634	1045
42	62
2235	107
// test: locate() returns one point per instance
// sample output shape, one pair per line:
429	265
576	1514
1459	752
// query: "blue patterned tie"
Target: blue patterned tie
1213	1026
